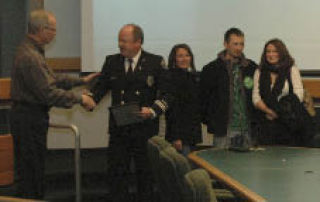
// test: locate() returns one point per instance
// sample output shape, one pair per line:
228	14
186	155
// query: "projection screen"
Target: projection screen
201	24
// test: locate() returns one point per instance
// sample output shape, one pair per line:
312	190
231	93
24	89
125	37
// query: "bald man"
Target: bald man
34	90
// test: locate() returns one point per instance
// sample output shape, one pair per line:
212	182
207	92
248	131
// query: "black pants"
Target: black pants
29	127
273	133
129	145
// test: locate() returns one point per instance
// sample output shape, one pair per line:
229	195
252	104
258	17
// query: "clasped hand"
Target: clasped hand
271	115
146	112
88	103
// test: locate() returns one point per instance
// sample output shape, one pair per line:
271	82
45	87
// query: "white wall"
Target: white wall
93	126
67	42
201	24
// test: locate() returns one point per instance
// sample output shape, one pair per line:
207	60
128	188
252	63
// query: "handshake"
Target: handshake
87	102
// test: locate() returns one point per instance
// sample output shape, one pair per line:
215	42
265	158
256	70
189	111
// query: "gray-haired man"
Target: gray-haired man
34	90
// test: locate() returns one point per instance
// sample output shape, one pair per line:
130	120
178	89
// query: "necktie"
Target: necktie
130	69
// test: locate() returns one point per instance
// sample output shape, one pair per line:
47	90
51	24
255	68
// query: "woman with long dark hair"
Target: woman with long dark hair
272	80
183	120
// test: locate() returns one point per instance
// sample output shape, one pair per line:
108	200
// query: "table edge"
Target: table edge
218	174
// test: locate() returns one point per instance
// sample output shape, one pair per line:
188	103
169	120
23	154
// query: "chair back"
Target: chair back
198	187
160	141
155	145
169	177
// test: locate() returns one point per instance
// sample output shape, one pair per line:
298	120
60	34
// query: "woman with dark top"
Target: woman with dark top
272	80
183	120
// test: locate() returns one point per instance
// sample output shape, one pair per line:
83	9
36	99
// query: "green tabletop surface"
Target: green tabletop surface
275	173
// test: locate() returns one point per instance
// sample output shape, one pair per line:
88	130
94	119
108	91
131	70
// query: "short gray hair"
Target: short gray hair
38	19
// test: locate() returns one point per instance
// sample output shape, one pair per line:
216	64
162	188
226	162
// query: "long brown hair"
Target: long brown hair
283	68
173	54
285	59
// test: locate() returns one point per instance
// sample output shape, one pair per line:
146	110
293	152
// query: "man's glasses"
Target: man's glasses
50	28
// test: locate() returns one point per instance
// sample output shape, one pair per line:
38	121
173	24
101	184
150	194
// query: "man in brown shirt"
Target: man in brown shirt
34	90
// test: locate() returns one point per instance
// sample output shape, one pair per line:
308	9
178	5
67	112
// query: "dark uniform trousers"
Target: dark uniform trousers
29	127
128	145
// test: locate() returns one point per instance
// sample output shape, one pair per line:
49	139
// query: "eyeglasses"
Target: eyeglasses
50	28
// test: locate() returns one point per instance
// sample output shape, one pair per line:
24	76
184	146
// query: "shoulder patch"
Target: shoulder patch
163	64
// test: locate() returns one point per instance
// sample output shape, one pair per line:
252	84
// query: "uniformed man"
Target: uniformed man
34	90
131	76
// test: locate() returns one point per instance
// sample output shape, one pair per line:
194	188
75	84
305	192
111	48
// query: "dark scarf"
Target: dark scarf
240	60
268	95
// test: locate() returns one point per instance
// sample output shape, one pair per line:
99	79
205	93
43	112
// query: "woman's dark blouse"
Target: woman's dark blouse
183	119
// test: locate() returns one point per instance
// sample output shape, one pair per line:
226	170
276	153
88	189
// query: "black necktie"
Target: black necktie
130	68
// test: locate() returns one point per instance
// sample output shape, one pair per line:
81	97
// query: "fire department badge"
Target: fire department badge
150	81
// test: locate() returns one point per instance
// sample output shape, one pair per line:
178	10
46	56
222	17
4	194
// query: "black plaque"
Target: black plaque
126	114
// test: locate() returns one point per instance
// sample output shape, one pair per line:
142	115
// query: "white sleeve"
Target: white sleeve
297	82
256	92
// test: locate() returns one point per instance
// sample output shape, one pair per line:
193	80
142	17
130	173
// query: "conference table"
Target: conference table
266	173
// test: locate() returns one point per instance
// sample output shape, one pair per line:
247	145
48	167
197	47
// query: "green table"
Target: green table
272	174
